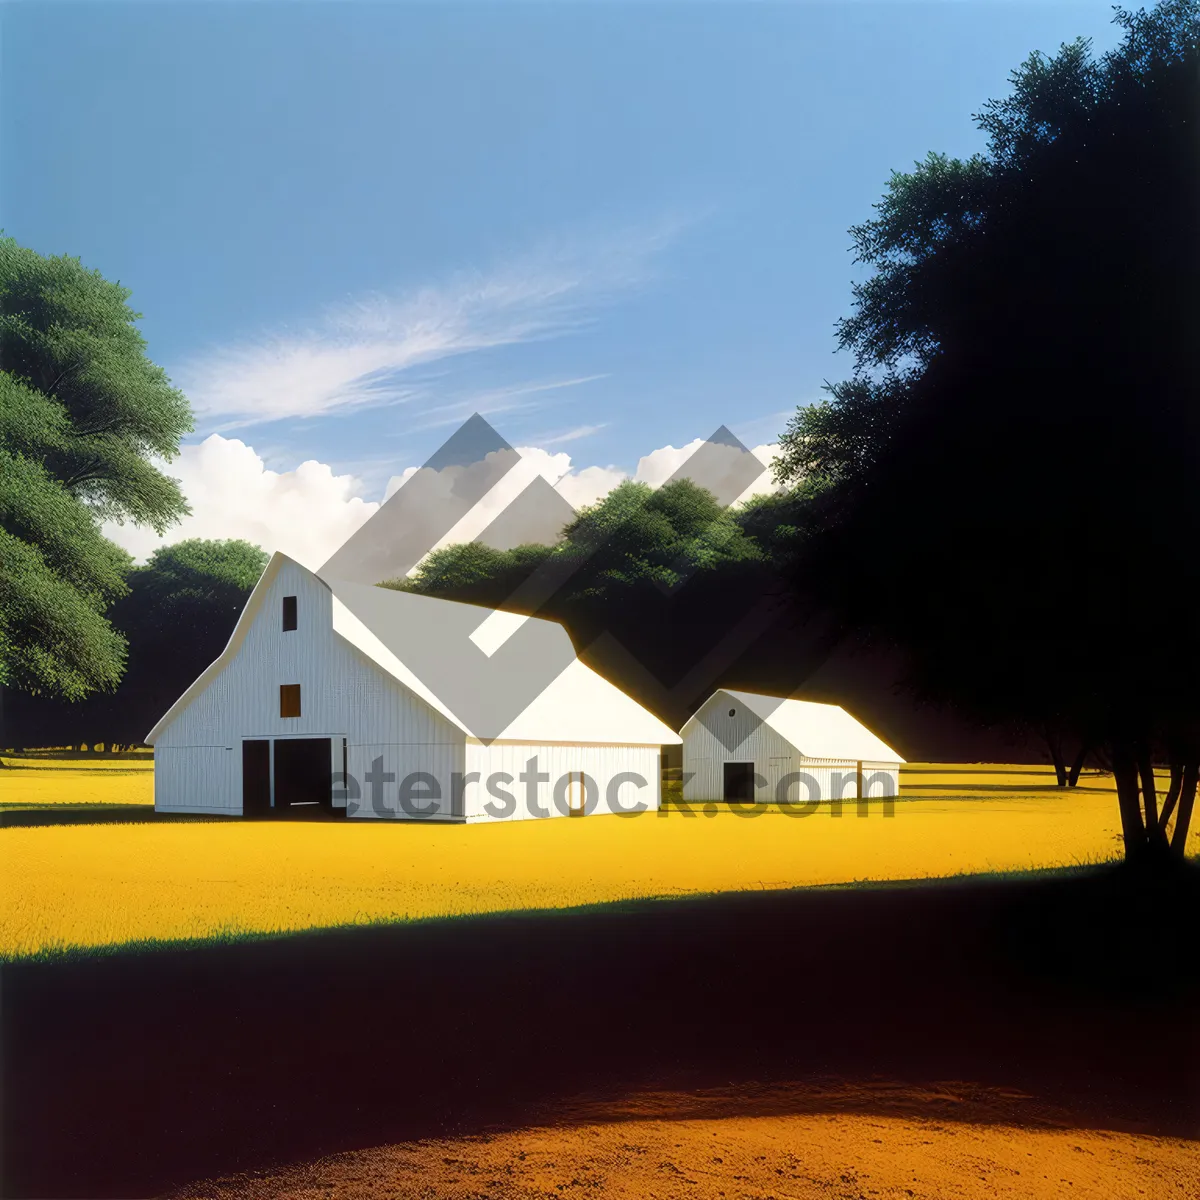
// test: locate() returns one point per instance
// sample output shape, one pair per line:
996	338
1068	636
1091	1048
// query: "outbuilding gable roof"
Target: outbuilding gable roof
816	730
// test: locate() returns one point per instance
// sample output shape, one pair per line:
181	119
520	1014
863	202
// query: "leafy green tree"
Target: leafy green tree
195	588
634	538
1006	487
473	572
83	414
638	536
840	438
648	583
776	522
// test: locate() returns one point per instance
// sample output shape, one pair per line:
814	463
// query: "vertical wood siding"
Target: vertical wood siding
388	730
602	765
199	779
746	740
197	759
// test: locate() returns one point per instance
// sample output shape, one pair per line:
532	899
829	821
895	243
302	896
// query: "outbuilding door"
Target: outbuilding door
739	782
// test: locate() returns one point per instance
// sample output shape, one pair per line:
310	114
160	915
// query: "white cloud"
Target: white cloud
659	465
764	484
306	512
581	488
534	462
362	353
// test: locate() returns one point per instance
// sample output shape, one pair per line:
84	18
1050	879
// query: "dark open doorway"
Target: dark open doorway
739	782
256	778
303	776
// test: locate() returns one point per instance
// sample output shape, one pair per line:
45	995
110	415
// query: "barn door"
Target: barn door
256	778
303	775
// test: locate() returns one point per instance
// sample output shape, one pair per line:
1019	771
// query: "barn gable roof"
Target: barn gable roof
214	668
531	687
494	675
816	730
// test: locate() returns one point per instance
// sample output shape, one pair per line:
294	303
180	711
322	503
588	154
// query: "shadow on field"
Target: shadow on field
129	1073
1039	790
94	814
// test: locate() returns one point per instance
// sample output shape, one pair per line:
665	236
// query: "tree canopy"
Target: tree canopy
648	582
634	538
1005	488
83	414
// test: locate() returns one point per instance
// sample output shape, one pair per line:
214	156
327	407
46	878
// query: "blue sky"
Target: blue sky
611	227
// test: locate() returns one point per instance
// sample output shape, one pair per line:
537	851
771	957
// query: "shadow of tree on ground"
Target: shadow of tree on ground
180	1064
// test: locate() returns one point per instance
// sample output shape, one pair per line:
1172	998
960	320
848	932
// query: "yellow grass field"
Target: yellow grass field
66	883
41	782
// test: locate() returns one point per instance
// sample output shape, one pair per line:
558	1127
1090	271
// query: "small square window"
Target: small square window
289	613
289	699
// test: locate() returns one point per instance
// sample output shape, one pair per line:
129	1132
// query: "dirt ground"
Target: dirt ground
784	1141
803	1038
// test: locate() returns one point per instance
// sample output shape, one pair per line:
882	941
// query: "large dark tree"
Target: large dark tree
1007	488
83	414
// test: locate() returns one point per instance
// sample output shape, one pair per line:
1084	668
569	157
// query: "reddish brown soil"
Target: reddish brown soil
783	1141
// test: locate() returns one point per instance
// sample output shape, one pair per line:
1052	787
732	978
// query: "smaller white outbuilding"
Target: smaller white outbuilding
744	747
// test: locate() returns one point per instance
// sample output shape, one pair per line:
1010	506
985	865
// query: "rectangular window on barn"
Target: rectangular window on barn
289	700
289	613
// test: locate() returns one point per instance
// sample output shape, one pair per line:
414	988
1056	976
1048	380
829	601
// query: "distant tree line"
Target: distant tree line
647	582
175	617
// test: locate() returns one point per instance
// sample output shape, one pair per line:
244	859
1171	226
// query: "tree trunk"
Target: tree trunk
1172	794
1077	765
1187	800
1125	772
1149	794
1056	757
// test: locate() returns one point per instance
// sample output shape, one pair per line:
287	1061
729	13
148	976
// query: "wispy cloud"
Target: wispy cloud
493	401
570	435
366	352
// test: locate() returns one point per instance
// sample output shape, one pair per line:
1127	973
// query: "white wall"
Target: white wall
198	779
601	764
424	780
198	756
343	694
749	740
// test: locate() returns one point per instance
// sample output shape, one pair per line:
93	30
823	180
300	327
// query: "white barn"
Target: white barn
750	748
379	704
